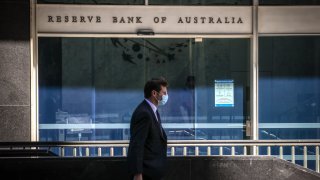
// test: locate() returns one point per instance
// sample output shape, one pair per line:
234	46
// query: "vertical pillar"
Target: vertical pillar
254	75
34	73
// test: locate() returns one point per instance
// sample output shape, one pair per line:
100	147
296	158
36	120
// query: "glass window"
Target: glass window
107	2
289	2
222	88
89	87
200	2
289	87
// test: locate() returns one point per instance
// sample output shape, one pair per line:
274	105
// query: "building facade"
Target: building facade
238	69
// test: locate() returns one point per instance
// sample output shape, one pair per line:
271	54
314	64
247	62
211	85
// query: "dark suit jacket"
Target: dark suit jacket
148	143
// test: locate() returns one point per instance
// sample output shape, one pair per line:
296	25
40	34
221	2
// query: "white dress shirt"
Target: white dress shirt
154	108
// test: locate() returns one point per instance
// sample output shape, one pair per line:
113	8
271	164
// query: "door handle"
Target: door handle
248	128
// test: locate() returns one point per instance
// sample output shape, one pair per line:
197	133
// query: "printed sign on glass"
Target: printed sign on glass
224	93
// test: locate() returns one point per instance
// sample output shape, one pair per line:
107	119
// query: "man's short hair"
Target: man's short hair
154	84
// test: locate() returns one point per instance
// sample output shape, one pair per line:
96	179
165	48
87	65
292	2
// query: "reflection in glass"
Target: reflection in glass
89	87
222	59
289	84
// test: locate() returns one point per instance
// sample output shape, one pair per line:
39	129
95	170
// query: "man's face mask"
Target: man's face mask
163	100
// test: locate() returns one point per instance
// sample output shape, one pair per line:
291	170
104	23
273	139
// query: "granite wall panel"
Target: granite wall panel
15	68
15	123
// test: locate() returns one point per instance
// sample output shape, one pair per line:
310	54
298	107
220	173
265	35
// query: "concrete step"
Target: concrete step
179	168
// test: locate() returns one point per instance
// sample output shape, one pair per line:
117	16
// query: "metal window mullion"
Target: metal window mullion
34	74
254	76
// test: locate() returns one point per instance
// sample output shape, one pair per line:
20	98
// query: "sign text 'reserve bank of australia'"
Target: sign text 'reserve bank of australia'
139	19
129	19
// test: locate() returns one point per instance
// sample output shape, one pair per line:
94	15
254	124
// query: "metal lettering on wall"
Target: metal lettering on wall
131	19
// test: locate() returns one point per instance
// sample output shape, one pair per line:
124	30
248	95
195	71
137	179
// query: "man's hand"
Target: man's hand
137	177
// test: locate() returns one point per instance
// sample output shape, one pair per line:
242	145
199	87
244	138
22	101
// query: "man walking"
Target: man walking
148	141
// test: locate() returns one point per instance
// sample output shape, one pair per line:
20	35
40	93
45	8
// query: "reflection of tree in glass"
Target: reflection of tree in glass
127	57
136	47
161	55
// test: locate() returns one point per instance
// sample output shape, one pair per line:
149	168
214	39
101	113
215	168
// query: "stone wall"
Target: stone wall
15	70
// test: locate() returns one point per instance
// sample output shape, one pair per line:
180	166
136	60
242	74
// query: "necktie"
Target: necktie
158	116
159	120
